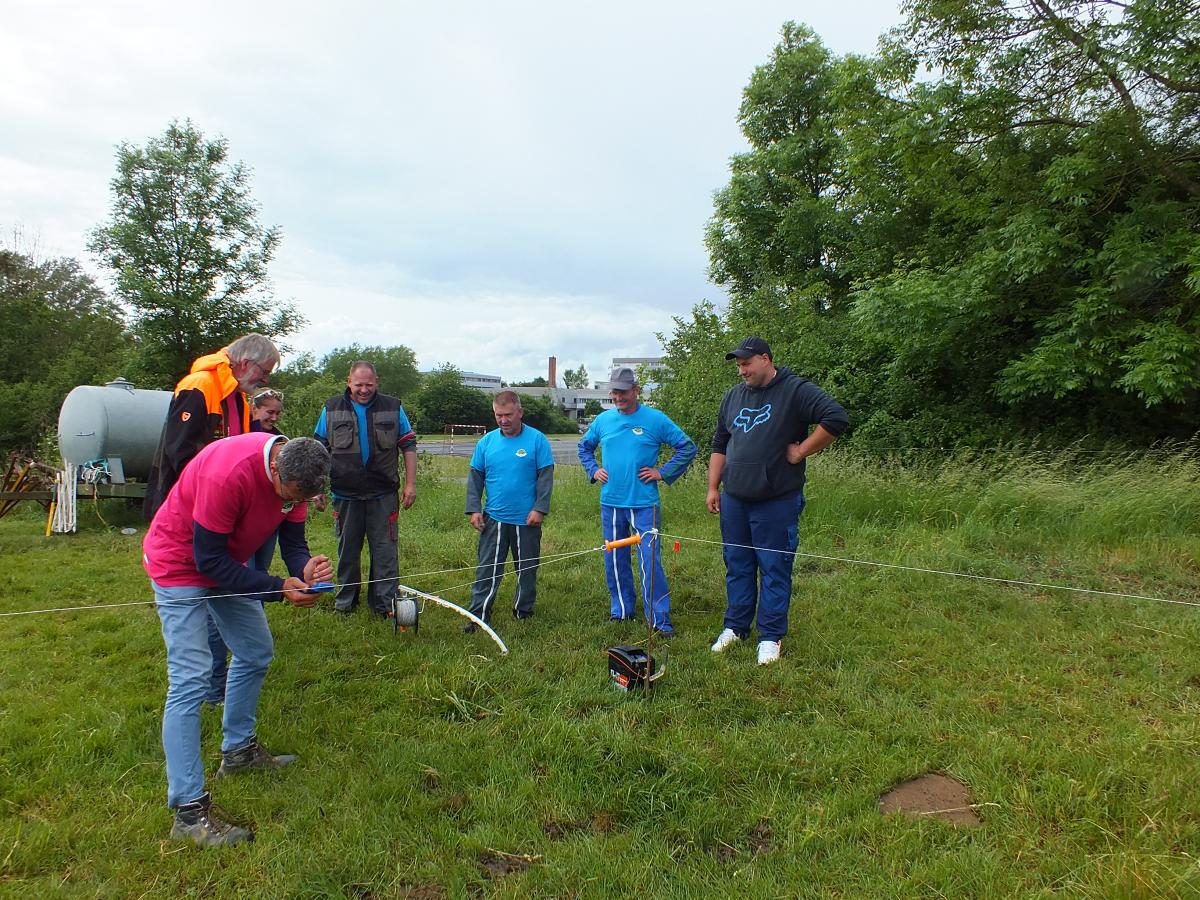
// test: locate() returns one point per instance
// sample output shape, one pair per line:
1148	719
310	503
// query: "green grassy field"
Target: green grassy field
431	766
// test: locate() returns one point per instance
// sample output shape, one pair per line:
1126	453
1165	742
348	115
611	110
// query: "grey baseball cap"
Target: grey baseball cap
622	379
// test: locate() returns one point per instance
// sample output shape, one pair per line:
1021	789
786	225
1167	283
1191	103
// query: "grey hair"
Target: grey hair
507	398
255	348
305	461
363	364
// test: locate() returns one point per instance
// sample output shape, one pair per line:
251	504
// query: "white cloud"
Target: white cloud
487	183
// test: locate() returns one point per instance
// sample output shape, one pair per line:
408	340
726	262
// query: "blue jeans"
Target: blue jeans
242	623
769	529
220	663
260	562
618	522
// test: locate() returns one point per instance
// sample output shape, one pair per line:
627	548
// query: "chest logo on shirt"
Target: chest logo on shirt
638	430
748	418
522	453
184	416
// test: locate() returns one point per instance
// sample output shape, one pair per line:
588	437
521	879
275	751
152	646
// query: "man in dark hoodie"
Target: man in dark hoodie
758	452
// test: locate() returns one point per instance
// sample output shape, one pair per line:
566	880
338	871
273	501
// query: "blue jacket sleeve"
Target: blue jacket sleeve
685	452
211	552
587	451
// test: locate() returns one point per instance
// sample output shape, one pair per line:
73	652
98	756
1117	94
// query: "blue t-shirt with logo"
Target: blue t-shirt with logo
510	467
628	443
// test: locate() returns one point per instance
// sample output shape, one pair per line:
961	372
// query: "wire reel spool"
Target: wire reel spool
405	614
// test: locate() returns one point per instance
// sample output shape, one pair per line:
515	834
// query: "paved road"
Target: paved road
564	449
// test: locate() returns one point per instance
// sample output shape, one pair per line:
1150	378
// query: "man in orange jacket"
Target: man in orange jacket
209	403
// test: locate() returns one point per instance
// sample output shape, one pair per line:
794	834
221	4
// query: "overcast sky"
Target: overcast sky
489	183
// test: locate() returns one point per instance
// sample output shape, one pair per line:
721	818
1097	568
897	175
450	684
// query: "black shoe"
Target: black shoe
619	618
253	756
343	610
470	628
664	635
522	615
202	822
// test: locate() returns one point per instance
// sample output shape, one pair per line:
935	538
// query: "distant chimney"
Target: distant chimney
553	379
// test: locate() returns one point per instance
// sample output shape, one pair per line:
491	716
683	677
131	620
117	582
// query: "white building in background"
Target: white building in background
489	383
571	400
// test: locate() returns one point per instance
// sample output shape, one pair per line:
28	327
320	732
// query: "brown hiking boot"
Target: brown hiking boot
253	756
202	822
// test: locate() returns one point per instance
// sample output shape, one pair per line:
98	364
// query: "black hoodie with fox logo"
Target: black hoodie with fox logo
755	426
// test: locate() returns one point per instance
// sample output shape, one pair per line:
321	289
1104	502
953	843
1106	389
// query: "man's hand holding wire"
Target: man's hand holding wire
296	592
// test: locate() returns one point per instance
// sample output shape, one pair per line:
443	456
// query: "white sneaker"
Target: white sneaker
768	652
725	640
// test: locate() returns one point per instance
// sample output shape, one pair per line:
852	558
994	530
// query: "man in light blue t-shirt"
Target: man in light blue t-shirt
629	438
514	467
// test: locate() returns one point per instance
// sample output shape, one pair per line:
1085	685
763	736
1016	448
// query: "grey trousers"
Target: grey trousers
376	521
495	542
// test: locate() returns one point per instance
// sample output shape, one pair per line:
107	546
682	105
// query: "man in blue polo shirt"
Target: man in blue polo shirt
629	438
366	432
514	467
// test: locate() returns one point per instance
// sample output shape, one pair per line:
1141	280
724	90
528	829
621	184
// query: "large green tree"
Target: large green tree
186	250
1085	116
445	400
59	330
307	383
988	231
397	366
576	379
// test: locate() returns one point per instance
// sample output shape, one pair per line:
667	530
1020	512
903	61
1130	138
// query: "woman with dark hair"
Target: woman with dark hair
266	406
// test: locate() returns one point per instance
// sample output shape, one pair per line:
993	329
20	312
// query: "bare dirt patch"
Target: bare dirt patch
557	831
424	892
497	863
933	796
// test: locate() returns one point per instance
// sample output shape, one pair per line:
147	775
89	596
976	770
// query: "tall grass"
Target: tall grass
429	762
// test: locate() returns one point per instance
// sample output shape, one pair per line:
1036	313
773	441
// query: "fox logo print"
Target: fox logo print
748	418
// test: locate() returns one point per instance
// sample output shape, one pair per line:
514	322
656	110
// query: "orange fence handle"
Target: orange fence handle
609	546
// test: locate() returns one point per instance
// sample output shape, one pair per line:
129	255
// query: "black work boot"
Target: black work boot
253	756
200	821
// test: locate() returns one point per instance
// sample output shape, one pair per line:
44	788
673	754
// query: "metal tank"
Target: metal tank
117	424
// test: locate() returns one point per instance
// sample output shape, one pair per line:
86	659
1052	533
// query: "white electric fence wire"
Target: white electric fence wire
562	557
867	562
553	557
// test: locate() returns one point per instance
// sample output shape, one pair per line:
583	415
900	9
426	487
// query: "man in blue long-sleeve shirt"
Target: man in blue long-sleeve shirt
629	438
758	453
